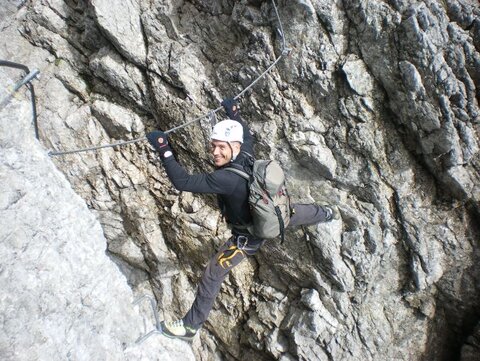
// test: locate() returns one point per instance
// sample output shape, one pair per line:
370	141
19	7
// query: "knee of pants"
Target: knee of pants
214	273
212	279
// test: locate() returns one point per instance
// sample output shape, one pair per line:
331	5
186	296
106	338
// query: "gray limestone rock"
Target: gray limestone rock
121	23
62	296
375	110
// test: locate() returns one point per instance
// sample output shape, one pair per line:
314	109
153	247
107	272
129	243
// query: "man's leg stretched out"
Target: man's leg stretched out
229	256
310	214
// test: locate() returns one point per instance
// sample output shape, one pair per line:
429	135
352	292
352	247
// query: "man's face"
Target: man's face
221	152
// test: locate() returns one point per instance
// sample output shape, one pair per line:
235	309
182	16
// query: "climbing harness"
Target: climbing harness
284	52
27	81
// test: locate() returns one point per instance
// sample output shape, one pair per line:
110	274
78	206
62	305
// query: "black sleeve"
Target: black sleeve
218	182
247	145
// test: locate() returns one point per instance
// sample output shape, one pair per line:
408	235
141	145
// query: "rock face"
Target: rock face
62	296
375	111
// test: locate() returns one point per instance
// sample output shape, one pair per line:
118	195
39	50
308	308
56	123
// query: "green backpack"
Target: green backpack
268	199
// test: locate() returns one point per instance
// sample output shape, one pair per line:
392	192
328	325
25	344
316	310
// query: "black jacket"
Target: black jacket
232	189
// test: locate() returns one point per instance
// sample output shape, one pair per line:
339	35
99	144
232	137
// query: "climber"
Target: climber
230	142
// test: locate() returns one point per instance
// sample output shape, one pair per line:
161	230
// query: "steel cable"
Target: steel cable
284	51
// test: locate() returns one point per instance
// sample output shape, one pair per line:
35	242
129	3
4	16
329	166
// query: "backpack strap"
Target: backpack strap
235	168
241	173
281	224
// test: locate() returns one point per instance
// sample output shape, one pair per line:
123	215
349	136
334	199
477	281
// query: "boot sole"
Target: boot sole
171	335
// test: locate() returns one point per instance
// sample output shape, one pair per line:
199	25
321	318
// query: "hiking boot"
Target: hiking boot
176	329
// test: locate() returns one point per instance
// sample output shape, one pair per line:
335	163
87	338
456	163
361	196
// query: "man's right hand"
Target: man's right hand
159	141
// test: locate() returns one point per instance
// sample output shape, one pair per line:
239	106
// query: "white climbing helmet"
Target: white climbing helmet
227	131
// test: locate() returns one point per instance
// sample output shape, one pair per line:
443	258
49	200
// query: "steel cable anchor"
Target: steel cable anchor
158	326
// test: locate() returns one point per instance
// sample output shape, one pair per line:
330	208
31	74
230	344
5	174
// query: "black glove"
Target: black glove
159	141
231	108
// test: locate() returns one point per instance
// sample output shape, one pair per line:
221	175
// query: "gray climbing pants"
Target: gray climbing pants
234	251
